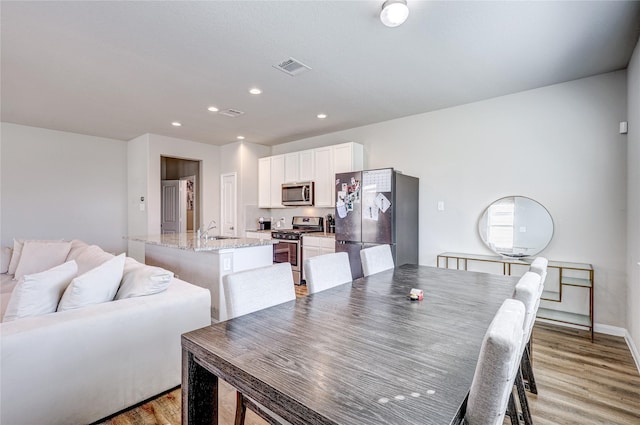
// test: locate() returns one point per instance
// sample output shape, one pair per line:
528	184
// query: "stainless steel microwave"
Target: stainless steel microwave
296	194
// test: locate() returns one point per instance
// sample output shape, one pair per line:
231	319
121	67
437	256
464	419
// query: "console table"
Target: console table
561	299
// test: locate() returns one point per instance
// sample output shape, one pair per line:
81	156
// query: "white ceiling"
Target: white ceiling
122	69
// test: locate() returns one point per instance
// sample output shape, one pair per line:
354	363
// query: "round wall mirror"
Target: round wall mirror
516	226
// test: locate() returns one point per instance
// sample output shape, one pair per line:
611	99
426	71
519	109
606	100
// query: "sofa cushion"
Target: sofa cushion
39	293
17	252
139	280
5	259
95	286
37	257
88	257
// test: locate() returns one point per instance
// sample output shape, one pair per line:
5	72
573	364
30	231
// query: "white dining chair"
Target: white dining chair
376	259
539	266
326	271
491	392
253	290
256	289
526	291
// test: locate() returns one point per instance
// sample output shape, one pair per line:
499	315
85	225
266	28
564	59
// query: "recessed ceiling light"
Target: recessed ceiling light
176	124
212	109
240	137
255	90
322	116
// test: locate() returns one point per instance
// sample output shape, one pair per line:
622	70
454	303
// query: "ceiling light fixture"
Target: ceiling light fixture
176	124
255	90
321	116
212	109
240	137
394	12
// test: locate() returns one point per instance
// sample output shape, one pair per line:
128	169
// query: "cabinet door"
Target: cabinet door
343	158
292	168
306	166
264	182
277	178
324	176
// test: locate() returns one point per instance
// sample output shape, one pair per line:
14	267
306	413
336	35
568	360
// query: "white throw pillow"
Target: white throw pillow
37	257
38	294
17	251
6	259
139	280
89	257
95	286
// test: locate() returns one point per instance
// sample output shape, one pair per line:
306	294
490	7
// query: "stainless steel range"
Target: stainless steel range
289	246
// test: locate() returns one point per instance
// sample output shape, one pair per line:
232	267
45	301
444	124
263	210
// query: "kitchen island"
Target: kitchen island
204	262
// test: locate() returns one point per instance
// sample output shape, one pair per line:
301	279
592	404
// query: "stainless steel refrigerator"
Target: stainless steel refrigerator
376	207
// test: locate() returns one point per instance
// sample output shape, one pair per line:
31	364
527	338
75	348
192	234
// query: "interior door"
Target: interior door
174	206
228	204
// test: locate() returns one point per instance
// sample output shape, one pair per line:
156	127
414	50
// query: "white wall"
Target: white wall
242	158
558	145
144	163
63	185
633	158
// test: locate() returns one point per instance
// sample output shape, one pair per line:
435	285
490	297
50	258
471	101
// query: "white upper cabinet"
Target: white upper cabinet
318	165
264	182
306	165
292	167
298	166
323	162
270	179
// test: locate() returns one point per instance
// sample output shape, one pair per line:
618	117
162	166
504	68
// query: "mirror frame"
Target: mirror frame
516	253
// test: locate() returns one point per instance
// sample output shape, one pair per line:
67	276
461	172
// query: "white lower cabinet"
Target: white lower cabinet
313	246
258	235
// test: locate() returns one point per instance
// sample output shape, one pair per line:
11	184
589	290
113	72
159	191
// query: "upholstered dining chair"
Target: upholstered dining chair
249	291
539	266
527	292
491	392
268	286
376	259
326	271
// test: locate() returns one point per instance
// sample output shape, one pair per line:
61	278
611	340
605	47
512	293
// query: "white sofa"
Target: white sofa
82	365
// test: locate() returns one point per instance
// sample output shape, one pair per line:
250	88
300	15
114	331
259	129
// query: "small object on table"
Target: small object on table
416	294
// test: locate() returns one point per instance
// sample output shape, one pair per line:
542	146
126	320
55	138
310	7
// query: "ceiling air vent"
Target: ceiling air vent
231	112
292	67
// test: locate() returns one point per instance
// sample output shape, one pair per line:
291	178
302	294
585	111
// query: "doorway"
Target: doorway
189	205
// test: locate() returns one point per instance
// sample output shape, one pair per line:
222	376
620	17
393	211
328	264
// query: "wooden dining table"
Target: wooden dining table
357	354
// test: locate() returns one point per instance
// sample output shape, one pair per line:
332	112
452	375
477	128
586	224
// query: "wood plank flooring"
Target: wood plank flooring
579	382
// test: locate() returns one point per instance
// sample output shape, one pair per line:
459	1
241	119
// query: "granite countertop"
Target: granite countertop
320	235
189	242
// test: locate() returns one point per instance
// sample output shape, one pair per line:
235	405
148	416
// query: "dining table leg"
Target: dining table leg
199	393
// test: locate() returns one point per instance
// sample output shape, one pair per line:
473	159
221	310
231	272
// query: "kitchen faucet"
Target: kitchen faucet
204	234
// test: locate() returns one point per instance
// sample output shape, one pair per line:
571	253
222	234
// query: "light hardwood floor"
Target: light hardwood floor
579	382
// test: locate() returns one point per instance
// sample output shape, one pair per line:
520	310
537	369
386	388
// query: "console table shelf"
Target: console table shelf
559	302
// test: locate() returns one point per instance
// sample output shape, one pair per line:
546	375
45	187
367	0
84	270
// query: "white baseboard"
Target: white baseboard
610	330
634	350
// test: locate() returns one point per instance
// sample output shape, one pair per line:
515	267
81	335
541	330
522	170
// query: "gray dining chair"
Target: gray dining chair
327	271
491	392
527	292
250	291
376	259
